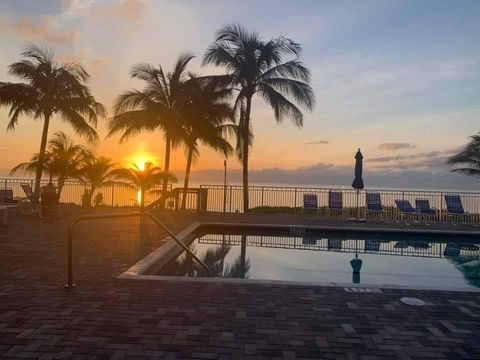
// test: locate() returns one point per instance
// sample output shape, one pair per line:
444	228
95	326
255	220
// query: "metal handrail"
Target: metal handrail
70	284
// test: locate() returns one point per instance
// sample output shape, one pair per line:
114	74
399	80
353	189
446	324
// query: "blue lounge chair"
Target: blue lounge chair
335	202
424	209
406	209
372	246
334	244
451	250
454	206
374	204
310	202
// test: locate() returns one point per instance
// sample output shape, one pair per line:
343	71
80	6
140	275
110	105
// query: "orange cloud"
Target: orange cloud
128	9
131	10
42	28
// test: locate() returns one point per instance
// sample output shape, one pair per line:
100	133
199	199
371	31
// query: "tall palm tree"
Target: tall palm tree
469	158
143	179
97	172
255	66
50	88
207	117
63	160
155	107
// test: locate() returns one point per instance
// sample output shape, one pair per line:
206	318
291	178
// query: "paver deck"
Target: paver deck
107	317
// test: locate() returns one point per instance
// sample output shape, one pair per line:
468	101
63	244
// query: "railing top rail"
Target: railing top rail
343	188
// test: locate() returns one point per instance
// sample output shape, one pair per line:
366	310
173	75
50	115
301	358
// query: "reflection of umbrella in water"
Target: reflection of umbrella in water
358	181
356	265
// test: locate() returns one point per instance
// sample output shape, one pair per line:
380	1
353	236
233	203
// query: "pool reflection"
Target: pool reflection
326	259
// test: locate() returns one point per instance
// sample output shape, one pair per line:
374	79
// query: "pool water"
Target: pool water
399	260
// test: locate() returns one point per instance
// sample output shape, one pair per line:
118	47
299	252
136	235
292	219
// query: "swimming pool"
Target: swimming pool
324	256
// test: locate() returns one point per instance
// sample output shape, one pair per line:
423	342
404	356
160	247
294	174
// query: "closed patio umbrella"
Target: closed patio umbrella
358	181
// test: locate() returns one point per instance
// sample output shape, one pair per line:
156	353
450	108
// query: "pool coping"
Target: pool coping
143	269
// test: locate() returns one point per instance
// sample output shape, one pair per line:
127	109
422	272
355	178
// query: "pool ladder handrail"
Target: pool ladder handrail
70	284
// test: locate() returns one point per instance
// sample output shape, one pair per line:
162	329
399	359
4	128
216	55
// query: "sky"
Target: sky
398	79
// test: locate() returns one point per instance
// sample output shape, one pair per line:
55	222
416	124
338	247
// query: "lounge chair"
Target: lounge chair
424	209
27	189
451	250
372	246
374	204
334	244
6	197
28	203
335	203
454	207
405	208
310	202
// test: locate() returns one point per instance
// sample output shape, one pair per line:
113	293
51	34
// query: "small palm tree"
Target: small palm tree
155	107
63	160
96	173
469	158
257	67
50	89
207	117
144	179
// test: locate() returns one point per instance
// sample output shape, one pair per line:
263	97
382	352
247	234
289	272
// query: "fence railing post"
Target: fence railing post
113	192
440	216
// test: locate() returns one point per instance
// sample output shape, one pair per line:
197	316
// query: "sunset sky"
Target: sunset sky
398	79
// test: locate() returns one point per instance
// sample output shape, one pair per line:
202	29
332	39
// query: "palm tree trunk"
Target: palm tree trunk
61	183
41	157
187	176
167	168
142	198
245	144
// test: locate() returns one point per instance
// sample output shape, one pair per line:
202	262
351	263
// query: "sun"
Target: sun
141	165
140	159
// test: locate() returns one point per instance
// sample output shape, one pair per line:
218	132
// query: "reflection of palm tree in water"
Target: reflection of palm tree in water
214	259
469	265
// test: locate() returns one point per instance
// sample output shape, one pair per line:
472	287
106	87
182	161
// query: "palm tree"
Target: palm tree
96	173
143	179
63	160
206	118
469	158
50	89
155	107
255	66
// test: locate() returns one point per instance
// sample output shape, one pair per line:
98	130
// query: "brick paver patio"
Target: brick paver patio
107	317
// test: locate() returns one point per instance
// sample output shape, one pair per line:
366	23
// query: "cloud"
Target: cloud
127	9
41	28
432	160
420	155
395	146
318	142
131	10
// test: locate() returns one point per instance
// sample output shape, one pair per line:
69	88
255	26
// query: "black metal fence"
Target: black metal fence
274	200
72	193
290	200
349	245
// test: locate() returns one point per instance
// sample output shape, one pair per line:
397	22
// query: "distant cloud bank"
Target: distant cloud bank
317	142
439	178
394	146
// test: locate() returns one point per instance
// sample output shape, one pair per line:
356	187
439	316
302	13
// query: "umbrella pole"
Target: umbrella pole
358	209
